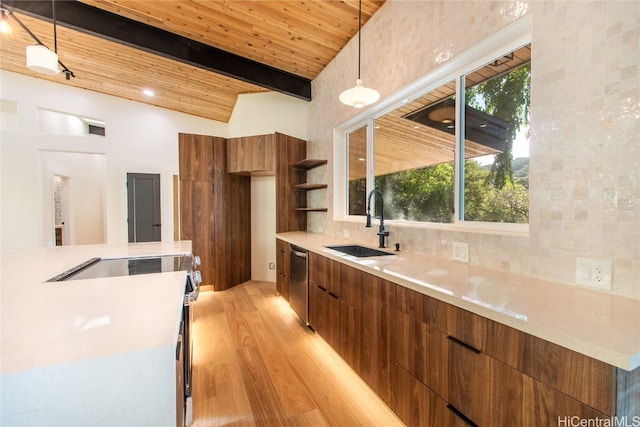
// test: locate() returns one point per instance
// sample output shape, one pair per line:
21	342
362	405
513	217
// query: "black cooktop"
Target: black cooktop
97	268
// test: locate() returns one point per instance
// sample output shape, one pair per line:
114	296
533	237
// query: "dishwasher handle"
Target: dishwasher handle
299	252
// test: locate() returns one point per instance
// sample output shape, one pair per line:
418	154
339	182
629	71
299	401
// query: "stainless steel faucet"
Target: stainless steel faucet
382	232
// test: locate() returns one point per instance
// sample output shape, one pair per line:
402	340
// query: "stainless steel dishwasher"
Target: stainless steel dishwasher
298	287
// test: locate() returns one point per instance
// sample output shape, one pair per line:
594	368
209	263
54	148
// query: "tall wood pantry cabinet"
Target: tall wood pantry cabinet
215	209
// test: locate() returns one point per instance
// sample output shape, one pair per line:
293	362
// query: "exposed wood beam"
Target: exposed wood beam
91	20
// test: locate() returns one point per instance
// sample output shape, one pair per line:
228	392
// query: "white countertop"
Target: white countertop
598	324
45	324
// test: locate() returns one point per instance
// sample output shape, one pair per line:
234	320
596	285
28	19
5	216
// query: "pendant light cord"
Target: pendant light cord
359	34
55	34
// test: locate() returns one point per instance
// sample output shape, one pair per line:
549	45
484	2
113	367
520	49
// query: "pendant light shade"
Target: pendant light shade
359	95
42	60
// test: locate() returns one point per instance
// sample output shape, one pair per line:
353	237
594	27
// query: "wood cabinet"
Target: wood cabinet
581	377
467	369
252	155
518	399
420	406
335	306
490	374
351	310
214	211
436	364
196	160
324	277
282	268
377	334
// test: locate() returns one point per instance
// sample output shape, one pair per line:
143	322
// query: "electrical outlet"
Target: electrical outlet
272	266
594	273
460	251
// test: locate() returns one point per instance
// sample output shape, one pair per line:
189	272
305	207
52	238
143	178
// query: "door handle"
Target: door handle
463	344
461	416
156	225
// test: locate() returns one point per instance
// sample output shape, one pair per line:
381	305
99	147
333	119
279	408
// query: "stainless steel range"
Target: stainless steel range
95	268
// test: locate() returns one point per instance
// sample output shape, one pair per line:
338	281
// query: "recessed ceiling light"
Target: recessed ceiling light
148	92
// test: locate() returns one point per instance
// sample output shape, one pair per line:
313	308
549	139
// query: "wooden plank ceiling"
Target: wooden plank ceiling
296	37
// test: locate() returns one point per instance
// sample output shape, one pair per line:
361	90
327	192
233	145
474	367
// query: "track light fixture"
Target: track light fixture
359	95
39	57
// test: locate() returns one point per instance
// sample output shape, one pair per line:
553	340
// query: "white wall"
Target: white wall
268	112
139	138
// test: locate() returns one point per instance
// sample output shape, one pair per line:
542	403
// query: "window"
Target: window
414	157
496	117
457	152
357	155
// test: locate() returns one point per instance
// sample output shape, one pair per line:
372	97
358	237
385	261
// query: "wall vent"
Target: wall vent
96	130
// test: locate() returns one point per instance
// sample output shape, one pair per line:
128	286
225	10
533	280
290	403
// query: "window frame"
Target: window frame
510	38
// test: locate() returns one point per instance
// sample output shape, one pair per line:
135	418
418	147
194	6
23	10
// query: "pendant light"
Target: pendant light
40	58
359	95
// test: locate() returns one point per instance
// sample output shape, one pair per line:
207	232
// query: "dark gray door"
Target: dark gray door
143	200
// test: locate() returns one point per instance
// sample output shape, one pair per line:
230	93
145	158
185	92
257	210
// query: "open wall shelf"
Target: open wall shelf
307	164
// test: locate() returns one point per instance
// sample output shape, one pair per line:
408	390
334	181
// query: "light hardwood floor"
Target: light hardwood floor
256	365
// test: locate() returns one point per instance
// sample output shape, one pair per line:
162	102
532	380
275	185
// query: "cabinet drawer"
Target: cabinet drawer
466	327
579	376
422	307
351	282
422	351
468	387
544	405
417	406
412	345
325	273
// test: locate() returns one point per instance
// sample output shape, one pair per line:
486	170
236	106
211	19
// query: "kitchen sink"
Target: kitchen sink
358	251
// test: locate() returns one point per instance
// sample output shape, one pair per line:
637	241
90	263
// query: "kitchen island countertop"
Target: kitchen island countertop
84	341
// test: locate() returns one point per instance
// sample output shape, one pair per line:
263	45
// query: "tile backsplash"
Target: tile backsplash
585	128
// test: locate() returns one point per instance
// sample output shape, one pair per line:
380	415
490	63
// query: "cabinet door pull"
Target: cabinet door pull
461	416
333	295
322	288
463	344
